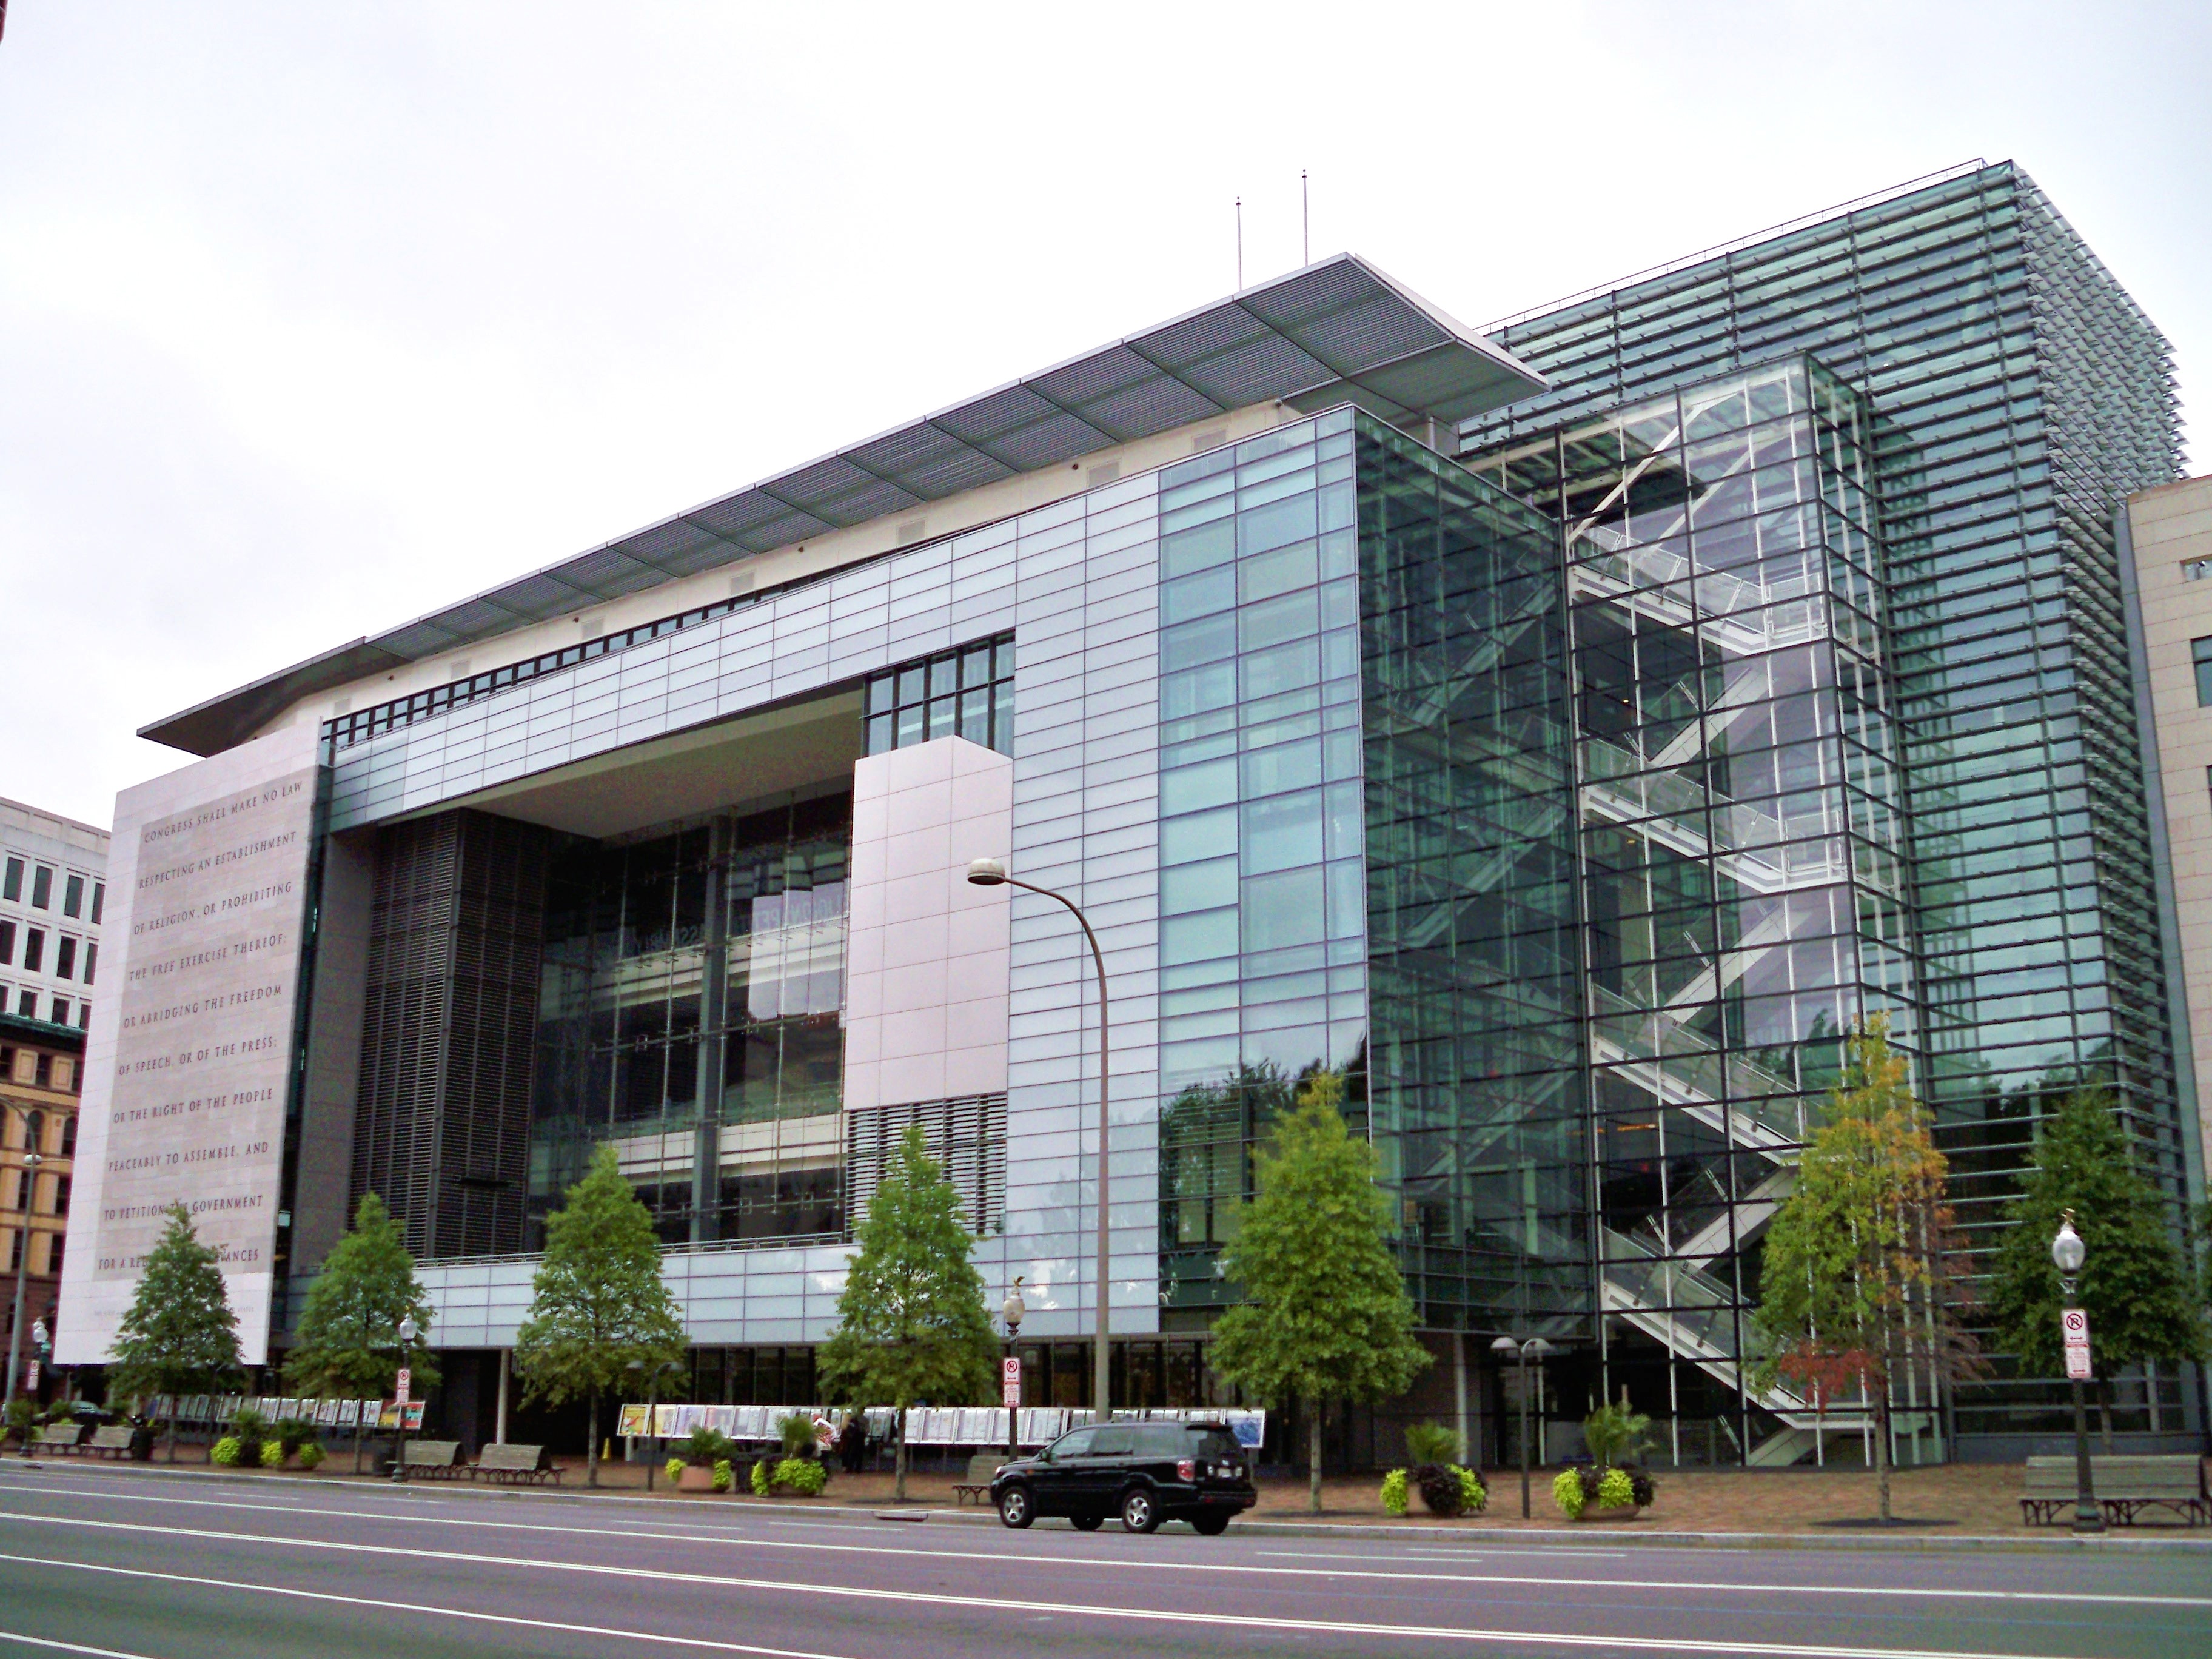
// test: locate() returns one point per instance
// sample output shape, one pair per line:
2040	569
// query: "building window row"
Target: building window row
75	888
965	693
71	953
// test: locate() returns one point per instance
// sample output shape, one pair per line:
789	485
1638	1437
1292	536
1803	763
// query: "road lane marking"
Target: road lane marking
65	1647
1069	1609
396	1607
1134	1564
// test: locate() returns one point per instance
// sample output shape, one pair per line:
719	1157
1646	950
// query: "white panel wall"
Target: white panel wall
925	980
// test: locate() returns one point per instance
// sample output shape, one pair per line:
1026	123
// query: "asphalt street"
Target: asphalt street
131	1561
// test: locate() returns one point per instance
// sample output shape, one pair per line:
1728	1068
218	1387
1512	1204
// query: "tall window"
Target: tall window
6	941
35	950
99	901
73	896
2200	654
967	693
42	886
66	957
11	887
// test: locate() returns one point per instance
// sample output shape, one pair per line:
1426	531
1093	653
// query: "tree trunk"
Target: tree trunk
592	1442
1881	1447
2104	1412
898	1477
1313	1455
172	1438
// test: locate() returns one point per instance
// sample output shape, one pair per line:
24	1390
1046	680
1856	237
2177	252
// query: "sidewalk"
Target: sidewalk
1966	1500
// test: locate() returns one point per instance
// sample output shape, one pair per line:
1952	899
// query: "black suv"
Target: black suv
1145	1473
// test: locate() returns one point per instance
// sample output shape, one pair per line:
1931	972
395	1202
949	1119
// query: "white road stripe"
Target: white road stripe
64	1647
393	1606
1132	1564
1058	1609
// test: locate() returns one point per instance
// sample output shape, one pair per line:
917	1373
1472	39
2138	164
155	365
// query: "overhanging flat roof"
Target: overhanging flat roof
1336	331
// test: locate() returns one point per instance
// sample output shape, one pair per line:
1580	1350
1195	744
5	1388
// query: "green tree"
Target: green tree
180	1335
912	1325
349	1341
598	1303
2135	1282
1857	1282
1325	1314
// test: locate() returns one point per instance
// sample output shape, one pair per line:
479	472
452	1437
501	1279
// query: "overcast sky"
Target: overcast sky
315	316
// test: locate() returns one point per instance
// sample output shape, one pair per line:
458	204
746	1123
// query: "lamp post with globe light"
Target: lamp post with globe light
1535	1348
25	1189
2068	1253
406	1334
991	872
1011	1311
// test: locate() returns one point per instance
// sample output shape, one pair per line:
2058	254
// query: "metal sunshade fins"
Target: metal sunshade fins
1336	331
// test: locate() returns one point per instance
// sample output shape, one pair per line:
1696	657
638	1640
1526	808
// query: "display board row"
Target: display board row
927	1426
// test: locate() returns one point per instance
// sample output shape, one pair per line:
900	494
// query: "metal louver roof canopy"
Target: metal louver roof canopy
1336	331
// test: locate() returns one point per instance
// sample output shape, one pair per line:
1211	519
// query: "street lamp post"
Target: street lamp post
1535	1348
2068	1253
406	1334
1011	1311
29	1192
991	872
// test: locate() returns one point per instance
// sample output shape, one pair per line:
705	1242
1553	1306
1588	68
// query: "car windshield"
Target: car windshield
1214	1445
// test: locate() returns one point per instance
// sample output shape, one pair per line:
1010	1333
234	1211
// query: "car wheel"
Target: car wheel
1086	1523
1015	1508
1211	1525
1138	1512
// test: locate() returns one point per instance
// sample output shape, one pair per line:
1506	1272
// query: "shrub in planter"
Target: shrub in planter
272	1454
802	1475
312	1455
704	1447
763	1477
1393	1491
725	1476
797	1430
1474	1496
294	1434
674	1470
22	1412
1577	1490
225	1451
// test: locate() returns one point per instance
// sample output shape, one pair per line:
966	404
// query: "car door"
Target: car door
1105	1469
1058	1471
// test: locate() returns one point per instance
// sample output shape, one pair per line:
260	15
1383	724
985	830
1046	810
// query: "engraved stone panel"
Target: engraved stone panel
187	1069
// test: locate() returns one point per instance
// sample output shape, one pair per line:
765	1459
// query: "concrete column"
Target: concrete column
499	1431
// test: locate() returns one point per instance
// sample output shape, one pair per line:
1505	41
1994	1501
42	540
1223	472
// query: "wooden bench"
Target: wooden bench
514	1465
114	1441
980	1468
440	1459
2126	1487
64	1437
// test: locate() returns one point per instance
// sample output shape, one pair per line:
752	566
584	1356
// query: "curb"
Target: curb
1471	1538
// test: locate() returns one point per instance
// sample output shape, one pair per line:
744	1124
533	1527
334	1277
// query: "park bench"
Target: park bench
440	1459
114	1441
980	1468
514	1465
55	1437
2126	1487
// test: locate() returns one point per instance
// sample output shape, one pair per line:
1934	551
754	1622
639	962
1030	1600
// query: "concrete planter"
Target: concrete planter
696	1477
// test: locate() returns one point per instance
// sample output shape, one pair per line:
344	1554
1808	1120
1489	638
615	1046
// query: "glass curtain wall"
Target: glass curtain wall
690	1012
1475	1081
1263	926
2019	393
1745	872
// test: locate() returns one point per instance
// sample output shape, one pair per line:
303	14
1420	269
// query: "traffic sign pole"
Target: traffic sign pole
2074	1332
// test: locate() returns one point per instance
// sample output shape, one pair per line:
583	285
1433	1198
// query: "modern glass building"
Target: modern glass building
1565	733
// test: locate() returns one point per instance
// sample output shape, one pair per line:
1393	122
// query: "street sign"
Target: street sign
406	1377
1010	1381
2074	1327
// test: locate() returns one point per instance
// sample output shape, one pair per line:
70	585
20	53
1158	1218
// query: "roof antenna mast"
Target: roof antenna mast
1240	244
1305	220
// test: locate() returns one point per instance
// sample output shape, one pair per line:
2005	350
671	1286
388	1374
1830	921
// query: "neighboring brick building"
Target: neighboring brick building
39	1084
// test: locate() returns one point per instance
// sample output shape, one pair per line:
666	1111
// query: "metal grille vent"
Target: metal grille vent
967	1137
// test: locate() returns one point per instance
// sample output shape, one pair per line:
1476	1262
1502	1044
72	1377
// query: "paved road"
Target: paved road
136	1562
